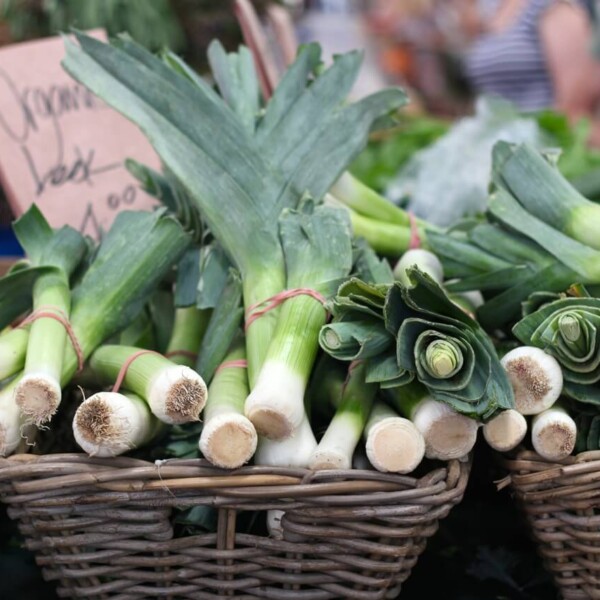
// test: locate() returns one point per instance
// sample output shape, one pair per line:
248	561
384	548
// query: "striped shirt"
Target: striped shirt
511	63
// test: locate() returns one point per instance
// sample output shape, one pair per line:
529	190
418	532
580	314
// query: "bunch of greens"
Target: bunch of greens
417	332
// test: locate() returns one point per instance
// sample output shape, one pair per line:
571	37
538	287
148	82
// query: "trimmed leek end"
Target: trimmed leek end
536	378
295	451
228	440
38	396
448	434
177	395
505	431
274	526
425	260
553	434
109	424
276	404
394	445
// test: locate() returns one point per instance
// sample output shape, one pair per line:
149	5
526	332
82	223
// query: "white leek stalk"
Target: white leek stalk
424	260
393	443
553	434
13	349
317	247
337	445
536	378
11	422
176	394
228	438
448	435
38	393
294	451
109	424
506	430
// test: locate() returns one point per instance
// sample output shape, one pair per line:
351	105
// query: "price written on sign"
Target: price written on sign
61	147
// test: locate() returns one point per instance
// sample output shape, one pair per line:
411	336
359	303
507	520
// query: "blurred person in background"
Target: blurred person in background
536	53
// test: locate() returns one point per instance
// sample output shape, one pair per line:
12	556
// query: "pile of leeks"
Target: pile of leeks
256	317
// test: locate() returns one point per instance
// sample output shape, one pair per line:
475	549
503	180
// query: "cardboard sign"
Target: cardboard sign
60	146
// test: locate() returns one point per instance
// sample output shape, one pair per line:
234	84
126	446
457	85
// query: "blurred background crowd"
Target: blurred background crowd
535	53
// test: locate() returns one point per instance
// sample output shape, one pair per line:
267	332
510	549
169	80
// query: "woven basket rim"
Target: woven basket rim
30	474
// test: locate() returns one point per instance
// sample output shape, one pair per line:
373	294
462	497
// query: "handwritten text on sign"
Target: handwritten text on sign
60	146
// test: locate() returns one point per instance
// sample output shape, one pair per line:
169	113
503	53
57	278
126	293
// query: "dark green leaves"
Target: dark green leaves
428	338
569	330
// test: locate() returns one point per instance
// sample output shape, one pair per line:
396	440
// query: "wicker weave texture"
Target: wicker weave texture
103	529
561	501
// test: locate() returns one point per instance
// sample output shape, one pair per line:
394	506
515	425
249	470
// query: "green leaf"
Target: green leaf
236	77
224	324
188	275
578	257
214	273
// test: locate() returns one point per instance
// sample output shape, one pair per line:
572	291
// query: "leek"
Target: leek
505	431
536	379
188	332
546	194
318	253
175	393
109	424
424	260
228	438
553	434
447	434
11	421
13	349
38	392
132	260
294	451
567	329
214	153
393	443
337	445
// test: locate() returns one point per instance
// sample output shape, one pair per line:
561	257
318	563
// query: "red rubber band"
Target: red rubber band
125	366
51	312
241	364
253	312
415	238
186	353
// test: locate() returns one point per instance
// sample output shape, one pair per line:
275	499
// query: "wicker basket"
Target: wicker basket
102	527
561	501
